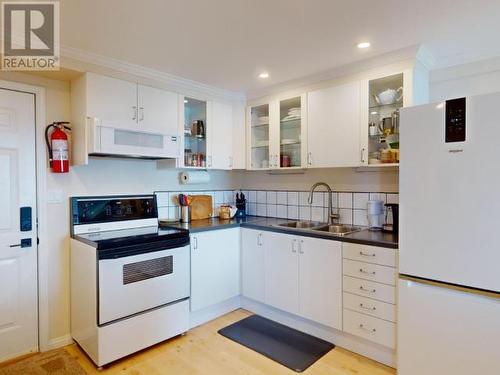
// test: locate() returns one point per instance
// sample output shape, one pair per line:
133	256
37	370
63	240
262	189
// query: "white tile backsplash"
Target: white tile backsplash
293	198
392	198
317	214
345	200
271	197
293	212
285	204
261	209
252	196
318	199
359	217
261	197
281	197
271	210
304	198
345	215
305	212
360	200
281	211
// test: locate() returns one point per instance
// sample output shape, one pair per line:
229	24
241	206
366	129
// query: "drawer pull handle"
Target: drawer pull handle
366	272
367	308
363	289
367	329
366	254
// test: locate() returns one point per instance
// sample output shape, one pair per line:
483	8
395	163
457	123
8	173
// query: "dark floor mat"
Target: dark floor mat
293	349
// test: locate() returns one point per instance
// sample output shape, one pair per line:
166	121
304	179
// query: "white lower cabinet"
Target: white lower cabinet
299	275
215	267
282	272
253	273
320	281
369	298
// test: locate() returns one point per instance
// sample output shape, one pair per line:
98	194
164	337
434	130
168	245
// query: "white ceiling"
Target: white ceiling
226	43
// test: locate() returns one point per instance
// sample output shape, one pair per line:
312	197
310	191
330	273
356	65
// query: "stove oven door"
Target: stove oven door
132	284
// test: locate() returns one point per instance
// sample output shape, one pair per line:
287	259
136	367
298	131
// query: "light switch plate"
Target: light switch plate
54	196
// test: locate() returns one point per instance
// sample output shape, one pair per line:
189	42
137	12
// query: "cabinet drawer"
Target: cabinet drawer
370	328
368	271
365	288
370	254
370	306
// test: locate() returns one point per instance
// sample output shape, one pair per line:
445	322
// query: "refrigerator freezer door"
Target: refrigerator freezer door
443	331
449	195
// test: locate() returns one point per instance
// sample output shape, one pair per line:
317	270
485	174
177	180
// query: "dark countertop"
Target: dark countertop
364	237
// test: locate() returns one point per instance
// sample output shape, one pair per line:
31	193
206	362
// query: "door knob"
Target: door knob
25	242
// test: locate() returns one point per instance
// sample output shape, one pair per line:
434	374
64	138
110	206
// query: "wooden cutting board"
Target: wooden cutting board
201	206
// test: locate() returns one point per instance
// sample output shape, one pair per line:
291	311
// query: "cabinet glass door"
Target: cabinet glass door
290	132
195	133
259	136
385	100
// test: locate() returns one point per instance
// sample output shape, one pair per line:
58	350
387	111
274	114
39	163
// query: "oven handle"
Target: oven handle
137	249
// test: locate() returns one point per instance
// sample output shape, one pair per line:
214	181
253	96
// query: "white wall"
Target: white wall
101	176
476	78
340	179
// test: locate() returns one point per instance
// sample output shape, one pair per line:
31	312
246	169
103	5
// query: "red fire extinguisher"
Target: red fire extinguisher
57	145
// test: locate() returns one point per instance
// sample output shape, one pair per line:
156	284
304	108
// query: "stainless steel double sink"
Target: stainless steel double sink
318	227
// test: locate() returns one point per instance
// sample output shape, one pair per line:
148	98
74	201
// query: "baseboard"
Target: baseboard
355	344
212	312
58	342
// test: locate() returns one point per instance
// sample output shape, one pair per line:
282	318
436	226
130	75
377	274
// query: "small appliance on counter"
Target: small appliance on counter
375	214
391	218
241	205
227	212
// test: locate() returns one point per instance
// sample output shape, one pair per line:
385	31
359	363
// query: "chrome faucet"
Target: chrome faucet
331	215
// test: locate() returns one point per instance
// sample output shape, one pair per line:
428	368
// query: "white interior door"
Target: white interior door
18	263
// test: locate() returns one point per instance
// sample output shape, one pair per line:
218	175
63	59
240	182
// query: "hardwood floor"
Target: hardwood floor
204	351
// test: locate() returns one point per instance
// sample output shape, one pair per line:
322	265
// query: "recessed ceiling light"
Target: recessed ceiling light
264	75
185	100
373	113
363	45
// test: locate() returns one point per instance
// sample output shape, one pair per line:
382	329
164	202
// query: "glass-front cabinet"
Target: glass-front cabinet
276	133
195	133
386	96
259	136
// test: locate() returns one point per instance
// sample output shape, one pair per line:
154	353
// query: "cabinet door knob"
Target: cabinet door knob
363	155
141	113
309	158
195	243
134	113
294	241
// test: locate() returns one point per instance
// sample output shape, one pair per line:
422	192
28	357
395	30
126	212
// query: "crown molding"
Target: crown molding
76	59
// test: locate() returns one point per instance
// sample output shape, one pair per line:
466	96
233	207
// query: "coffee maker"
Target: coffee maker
391	216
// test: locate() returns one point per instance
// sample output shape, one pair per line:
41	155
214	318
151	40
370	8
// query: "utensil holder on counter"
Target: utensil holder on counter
185	214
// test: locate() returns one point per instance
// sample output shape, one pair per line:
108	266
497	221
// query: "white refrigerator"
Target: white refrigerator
449	261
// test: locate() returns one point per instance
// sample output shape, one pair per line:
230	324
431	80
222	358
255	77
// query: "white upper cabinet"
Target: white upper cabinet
126	105
157	110
111	100
333	132
220	136
207	128
277	133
